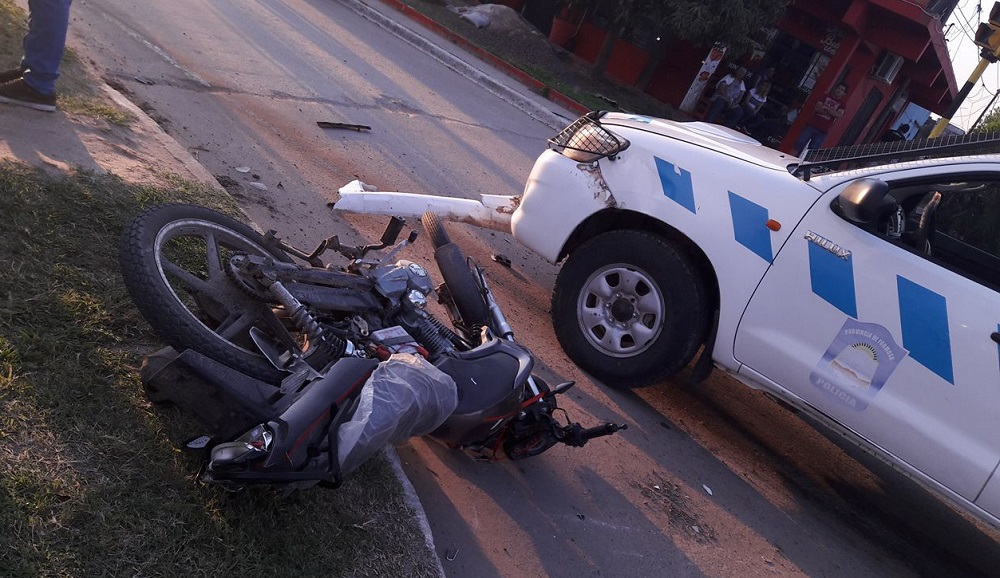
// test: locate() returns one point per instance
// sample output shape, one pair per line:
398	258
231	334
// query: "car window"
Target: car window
954	224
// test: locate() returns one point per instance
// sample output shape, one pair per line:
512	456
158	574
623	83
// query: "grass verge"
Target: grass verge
90	481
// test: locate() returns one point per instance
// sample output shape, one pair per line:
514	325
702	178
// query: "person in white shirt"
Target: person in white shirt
746	116
728	93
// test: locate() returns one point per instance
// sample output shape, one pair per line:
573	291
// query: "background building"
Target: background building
890	53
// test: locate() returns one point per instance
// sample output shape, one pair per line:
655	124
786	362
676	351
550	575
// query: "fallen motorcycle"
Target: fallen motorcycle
299	370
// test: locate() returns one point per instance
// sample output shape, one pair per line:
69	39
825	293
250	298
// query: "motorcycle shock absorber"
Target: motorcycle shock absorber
306	323
434	335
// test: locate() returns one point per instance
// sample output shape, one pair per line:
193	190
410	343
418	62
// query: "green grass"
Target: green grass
91	482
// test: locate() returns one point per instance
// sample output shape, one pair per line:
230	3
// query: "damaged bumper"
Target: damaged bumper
492	211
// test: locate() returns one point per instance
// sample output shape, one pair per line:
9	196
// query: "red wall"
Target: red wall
676	72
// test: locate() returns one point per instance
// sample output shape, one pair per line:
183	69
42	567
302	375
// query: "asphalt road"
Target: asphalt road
714	481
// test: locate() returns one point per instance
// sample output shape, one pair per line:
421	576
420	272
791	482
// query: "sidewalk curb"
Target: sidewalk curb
413	501
531	82
178	152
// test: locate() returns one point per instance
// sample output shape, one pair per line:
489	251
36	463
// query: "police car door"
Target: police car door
895	338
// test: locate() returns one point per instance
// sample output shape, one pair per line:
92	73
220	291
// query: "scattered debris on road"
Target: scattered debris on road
344	125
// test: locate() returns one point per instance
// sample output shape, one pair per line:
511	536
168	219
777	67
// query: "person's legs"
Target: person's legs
48	21
733	116
752	122
715	109
811	136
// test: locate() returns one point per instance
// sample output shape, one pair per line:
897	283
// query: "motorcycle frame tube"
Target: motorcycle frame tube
302	422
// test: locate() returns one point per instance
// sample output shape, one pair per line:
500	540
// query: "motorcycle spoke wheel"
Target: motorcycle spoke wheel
174	261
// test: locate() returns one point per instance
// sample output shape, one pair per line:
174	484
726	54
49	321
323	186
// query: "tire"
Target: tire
456	272
172	259
629	308
435	228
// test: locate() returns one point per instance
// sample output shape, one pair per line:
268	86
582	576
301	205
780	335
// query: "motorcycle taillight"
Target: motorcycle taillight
251	445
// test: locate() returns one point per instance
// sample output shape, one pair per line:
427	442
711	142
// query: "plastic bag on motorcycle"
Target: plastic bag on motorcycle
405	396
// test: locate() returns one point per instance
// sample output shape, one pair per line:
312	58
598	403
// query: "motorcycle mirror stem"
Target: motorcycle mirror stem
392	231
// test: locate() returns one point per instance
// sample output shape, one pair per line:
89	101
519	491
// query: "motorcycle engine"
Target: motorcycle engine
407	285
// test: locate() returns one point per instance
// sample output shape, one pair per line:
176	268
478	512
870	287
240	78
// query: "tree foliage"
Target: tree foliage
733	22
990	122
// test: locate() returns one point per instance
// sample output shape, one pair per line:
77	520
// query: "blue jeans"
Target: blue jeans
48	21
810	135
717	107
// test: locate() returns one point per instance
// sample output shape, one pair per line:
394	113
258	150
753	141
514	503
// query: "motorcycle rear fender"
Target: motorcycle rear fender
304	424
224	401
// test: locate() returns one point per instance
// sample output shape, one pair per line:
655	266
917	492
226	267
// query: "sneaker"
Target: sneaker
10	75
18	93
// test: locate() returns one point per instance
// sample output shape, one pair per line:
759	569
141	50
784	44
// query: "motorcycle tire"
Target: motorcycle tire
173	260
456	272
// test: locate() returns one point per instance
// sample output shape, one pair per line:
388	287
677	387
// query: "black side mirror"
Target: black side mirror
864	202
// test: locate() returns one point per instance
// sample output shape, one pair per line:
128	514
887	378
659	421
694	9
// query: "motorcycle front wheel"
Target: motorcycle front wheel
457	273
173	260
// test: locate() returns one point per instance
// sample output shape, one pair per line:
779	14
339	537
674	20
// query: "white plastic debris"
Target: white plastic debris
708	489
405	396
257	185
478	19
243	169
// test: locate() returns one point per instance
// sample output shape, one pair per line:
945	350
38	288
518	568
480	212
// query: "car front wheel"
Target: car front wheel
629	307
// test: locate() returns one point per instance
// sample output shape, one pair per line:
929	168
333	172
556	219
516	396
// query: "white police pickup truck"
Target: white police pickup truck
858	285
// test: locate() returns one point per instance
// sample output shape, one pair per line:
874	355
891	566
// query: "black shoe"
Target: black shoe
10	75
18	93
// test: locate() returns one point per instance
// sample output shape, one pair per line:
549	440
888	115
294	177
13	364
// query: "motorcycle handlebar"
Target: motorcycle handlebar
577	436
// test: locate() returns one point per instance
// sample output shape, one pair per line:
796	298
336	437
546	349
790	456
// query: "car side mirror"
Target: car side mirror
864	202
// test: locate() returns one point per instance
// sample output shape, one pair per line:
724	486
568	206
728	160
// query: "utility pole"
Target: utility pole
988	39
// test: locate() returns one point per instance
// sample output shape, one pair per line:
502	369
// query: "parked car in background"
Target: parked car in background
857	284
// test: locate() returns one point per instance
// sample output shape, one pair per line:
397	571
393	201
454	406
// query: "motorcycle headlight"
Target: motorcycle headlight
586	141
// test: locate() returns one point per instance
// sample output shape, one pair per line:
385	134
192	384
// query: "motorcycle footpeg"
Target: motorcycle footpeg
198	443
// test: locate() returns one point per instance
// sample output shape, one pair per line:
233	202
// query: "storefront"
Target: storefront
887	52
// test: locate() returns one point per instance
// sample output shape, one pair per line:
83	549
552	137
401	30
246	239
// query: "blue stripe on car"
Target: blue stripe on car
676	183
923	316
750	226
832	278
